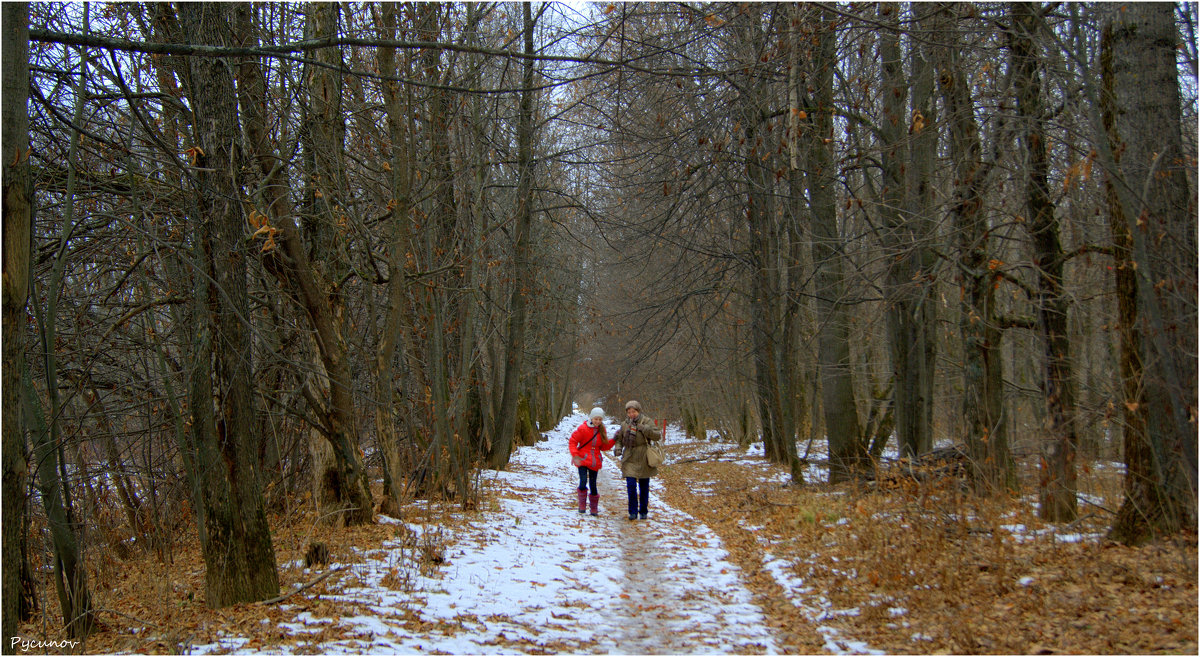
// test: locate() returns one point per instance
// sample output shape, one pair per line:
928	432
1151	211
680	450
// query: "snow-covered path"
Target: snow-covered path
535	576
658	586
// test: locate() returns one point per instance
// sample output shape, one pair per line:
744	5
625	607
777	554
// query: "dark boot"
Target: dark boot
594	502
581	495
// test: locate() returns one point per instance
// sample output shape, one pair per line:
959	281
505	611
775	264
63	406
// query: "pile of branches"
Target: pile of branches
945	463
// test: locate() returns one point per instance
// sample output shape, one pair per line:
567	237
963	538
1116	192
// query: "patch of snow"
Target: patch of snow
815	606
1078	538
534	575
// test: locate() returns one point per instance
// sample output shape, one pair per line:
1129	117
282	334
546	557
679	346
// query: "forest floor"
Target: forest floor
733	560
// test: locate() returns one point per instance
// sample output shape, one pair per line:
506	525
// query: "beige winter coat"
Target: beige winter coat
637	436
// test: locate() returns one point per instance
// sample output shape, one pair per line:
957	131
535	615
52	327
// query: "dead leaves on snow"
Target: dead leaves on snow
940	566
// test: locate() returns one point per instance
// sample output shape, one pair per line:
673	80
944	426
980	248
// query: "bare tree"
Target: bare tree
522	279
1057	488
18	216
234	535
847	448
400	204
1153	220
45	420
981	333
908	146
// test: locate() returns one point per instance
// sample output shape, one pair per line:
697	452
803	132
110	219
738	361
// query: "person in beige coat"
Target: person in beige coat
636	433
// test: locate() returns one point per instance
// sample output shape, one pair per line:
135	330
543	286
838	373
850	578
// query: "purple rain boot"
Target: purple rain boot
581	495
594	502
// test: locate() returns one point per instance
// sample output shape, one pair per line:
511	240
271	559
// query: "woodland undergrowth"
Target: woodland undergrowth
145	605
929	568
924	568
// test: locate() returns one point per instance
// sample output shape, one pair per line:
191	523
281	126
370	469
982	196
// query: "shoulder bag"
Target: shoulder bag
654	454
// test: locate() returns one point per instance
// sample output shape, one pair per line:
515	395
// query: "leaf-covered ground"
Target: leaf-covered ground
734	560
929	569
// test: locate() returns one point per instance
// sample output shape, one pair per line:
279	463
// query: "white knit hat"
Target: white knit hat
597	412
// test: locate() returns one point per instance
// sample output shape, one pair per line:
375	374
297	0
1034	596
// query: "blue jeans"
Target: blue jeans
639	494
587	477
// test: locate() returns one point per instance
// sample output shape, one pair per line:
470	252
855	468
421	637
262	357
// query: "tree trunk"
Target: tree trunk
904	213
522	284
917	434
847	450
1057	488
993	469
18	220
70	576
798	321
344	484
234	536
1154	231
770	307
764	296
341	480
393	324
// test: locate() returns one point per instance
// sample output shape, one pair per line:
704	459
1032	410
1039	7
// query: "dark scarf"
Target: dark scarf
630	435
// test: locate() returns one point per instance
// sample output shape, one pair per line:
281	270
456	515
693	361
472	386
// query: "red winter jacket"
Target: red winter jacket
589	452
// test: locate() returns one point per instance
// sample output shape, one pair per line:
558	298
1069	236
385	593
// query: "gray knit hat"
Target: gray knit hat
633	404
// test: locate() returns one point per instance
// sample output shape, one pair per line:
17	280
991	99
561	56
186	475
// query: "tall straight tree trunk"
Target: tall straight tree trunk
397	288
1057	488
983	398
437	303
234	536
17	226
847	447
470	392
919	206
905	163
1153	224
768	303
522	282
899	286
272	202
347	479
798	317
765	294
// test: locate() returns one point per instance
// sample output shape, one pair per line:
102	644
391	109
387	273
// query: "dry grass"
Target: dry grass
943	557
165	601
932	562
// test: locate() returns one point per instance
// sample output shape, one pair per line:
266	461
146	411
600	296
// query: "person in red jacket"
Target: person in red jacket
586	443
